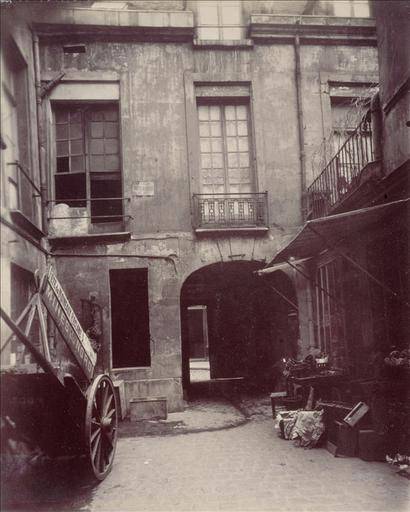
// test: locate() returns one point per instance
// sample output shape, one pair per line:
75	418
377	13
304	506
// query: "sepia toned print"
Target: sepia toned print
205	255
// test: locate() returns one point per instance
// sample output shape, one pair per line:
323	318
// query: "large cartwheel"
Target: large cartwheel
64	408
101	424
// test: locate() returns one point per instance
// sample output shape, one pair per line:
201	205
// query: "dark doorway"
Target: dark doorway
130	318
250	327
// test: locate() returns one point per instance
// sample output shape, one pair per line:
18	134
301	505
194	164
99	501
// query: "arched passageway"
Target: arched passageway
234	319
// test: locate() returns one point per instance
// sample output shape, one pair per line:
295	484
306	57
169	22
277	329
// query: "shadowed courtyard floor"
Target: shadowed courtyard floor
245	467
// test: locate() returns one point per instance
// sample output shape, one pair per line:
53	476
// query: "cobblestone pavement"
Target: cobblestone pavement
201	415
240	469
243	466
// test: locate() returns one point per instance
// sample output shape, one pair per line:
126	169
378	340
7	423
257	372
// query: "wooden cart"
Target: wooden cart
58	404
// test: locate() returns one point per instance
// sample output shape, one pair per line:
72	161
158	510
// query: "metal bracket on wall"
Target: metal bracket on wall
49	86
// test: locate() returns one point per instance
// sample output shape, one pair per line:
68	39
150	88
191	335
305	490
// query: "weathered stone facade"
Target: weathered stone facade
151	65
21	223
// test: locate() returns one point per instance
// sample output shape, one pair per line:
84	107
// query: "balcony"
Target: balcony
345	172
230	212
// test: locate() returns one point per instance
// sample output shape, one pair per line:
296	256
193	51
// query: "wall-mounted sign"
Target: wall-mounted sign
144	189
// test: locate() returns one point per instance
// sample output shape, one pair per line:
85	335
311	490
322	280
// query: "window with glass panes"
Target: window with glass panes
88	169
347	114
220	20
17	192
225	152
351	8
329	325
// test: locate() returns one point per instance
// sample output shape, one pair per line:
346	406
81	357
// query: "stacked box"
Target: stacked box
346	440
371	445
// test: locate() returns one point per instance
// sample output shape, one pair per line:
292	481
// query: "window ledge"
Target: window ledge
162	25
200	231
90	239
23	222
131	368
232	43
265	28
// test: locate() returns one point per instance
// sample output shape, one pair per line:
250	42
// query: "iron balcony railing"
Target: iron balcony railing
227	211
341	176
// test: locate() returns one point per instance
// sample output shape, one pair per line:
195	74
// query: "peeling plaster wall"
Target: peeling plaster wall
393	32
15	249
393	35
153	117
396	136
18	251
84	276
182	255
154	152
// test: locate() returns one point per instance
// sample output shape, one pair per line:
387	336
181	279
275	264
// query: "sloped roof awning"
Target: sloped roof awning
319	234
279	266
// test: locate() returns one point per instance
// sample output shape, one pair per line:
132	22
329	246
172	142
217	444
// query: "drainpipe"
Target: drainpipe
40	134
376	126
302	156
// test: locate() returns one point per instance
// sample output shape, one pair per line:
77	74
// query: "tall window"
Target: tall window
351	8
347	112
15	132
225	149
9	134
330	333
88	165
220	20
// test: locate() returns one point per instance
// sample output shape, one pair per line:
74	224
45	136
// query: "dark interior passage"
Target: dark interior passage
198	332
130	318
250	328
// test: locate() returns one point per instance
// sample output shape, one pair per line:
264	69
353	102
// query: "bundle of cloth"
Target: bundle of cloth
305	428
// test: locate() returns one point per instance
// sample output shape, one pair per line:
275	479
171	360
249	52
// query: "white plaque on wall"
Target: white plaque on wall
144	189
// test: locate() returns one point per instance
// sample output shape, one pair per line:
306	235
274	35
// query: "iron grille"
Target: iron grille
241	210
341	176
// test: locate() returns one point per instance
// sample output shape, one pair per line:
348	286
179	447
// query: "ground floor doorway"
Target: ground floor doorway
130	318
235	326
